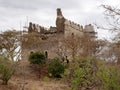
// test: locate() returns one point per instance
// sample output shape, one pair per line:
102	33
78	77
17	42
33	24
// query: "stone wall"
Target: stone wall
89	31
64	26
72	28
36	28
40	29
68	27
55	35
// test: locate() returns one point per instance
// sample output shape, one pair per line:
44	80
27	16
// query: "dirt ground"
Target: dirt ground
26	79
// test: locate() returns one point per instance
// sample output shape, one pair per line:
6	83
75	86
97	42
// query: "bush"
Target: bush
37	58
87	74
6	69
109	76
56	68
84	75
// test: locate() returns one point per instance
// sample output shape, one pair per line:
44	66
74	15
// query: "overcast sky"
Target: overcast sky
14	13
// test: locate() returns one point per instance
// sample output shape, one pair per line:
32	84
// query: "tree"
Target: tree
37	59
7	69
10	44
81	46
90	47
72	44
112	15
113	19
28	39
30	42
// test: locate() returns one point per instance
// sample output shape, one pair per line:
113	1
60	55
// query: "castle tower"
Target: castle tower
60	20
59	13
89	31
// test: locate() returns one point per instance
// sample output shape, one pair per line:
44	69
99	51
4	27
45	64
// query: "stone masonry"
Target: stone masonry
64	26
54	35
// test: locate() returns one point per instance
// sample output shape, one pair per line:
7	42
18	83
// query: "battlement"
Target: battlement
73	25
64	26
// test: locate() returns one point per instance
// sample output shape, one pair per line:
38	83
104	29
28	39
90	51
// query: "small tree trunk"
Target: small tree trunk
5	82
39	69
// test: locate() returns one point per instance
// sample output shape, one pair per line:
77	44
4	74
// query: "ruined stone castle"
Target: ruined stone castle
64	28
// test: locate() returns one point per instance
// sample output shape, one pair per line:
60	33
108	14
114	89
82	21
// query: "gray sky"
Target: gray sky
43	12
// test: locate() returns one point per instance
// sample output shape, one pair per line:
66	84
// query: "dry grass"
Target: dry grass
26	79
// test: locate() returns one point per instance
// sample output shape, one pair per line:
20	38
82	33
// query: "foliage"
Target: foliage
113	18
28	39
109	77
6	69
10	44
112	15
75	46
89	74
84	76
37	58
56	68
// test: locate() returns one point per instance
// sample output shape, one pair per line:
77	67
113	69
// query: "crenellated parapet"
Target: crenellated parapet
72	28
71	24
64	26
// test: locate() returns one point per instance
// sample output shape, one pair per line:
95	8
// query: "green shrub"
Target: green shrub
6	69
89	74
56	68
84	75
109	76
37	58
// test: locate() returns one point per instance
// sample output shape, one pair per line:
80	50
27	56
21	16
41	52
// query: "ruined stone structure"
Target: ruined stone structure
60	20
37	28
64	28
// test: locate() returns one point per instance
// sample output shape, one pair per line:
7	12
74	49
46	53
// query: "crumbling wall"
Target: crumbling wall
37	28
40	29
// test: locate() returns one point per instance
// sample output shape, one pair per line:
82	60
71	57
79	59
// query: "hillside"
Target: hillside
26	79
